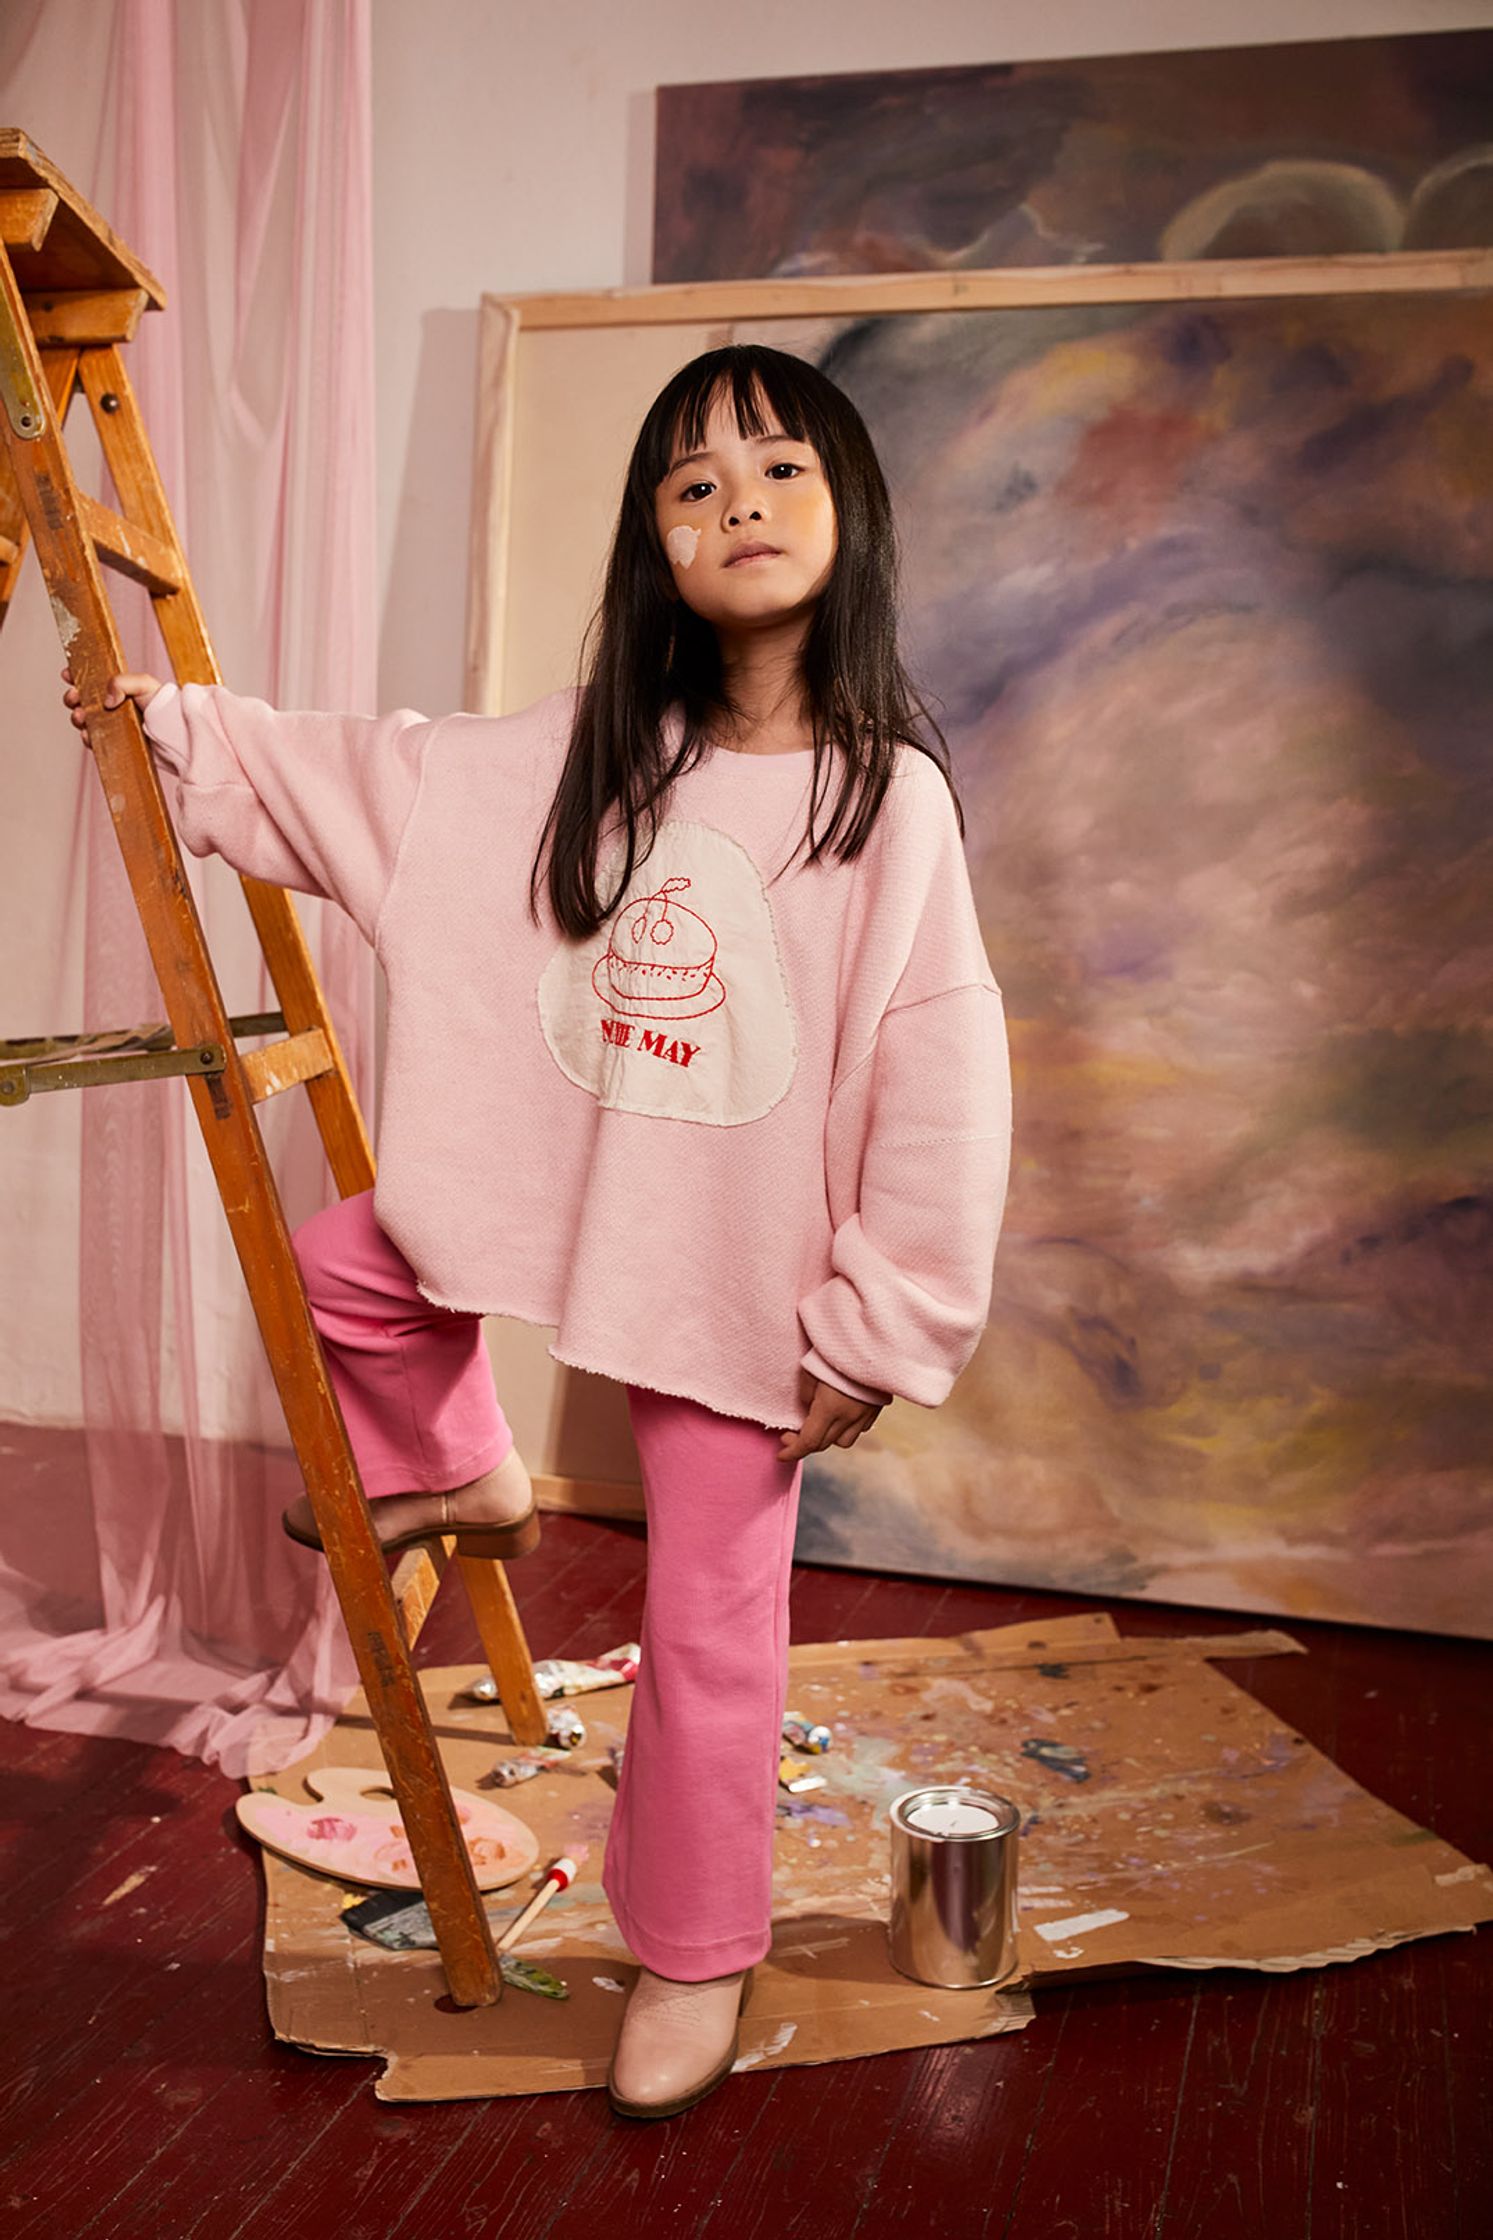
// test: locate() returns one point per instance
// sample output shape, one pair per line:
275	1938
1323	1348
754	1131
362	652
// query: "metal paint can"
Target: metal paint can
953	1909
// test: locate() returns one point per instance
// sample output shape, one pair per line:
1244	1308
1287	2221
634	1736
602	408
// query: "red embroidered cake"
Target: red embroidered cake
661	955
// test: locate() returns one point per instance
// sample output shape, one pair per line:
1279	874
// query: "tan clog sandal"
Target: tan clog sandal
520	1537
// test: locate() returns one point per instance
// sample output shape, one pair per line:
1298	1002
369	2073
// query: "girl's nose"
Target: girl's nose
737	514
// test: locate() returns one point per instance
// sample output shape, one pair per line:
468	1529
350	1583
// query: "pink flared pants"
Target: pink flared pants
688	1864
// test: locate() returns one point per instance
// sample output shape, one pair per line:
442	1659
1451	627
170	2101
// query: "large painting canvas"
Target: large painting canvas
1206	594
1215	655
1314	147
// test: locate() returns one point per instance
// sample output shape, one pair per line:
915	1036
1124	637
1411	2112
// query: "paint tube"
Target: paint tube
625	1660
569	1676
506	1773
805	1734
793	1775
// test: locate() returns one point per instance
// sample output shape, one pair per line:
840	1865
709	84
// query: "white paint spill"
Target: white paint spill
1079	1924
130	1882
781	2037
608	1983
1462	1874
681	544
963	1691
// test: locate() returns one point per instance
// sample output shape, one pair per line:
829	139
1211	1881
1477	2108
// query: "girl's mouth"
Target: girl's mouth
753	552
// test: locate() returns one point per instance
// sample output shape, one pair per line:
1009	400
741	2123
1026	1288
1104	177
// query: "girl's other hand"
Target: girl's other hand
833	1419
141	688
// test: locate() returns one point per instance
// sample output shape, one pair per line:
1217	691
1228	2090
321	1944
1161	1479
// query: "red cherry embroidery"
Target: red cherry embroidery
662	928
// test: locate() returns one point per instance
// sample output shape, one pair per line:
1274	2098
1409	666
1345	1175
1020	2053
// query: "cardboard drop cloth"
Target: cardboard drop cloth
1168	1820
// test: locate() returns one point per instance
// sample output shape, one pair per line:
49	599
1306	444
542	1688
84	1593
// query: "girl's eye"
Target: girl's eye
691	488
785	466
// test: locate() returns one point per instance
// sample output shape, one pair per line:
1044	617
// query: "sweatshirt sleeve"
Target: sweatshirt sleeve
318	803
918	1132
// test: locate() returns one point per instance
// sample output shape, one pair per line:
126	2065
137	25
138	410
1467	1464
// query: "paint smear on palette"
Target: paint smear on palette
359	1838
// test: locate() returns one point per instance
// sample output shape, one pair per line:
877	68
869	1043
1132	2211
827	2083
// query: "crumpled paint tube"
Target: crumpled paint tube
506	1773
568	1676
573	1676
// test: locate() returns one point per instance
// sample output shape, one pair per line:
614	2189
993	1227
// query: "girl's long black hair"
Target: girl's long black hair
649	649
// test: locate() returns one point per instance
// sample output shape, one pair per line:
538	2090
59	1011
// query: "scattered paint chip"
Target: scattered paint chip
781	2037
130	1882
1078	1924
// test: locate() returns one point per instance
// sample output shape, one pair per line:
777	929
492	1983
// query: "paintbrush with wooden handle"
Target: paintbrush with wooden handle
558	1877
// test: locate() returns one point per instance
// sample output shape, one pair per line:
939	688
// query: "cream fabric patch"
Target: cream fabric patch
678	1006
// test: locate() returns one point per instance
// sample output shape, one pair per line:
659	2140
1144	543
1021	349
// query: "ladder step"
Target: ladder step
302	1058
148	1053
132	550
86	315
26	215
417	1575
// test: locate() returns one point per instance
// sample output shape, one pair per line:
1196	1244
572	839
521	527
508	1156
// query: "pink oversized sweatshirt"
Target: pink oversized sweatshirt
748	1128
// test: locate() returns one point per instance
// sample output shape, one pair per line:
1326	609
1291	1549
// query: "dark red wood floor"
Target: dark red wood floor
146	2097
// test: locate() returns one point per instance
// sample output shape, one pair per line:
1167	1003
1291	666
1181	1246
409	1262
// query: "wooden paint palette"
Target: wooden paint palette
355	1834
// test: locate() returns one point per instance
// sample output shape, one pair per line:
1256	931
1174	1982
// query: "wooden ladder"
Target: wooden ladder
70	295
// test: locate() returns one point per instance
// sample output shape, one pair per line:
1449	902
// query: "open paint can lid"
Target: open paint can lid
954	1813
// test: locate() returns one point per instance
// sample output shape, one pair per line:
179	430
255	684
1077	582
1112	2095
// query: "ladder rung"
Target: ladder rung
112	1054
301	1058
130	549
86	315
417	1575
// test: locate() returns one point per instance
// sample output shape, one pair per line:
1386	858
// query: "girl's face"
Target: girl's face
747	524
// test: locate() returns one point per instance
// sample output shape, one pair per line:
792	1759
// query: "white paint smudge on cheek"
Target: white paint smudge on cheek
682	544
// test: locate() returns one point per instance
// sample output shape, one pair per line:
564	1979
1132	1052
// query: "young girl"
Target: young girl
695	1056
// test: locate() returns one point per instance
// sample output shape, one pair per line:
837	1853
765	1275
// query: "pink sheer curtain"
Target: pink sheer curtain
154	1596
